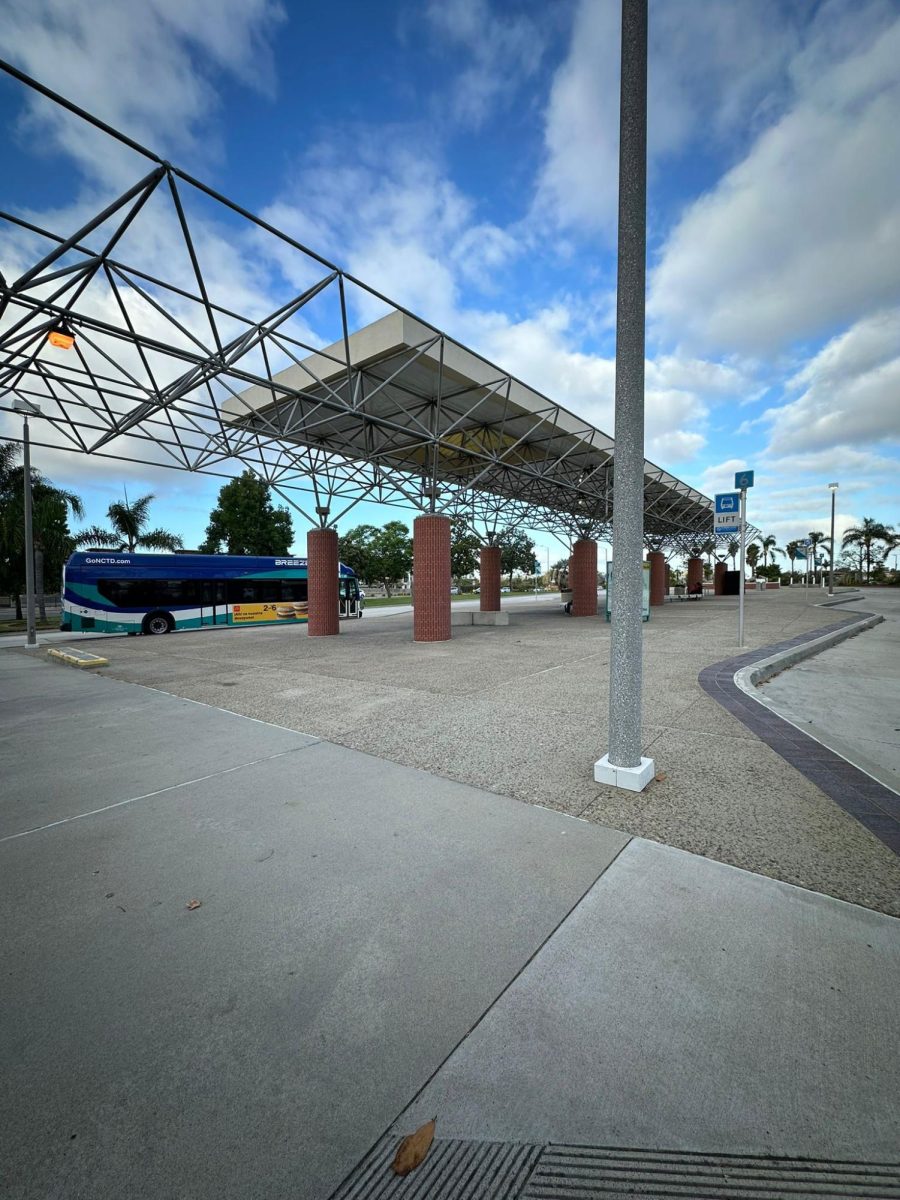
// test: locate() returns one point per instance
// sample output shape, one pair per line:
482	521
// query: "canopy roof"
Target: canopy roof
205	339
400	394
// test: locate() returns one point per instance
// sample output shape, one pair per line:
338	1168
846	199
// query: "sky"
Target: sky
460	156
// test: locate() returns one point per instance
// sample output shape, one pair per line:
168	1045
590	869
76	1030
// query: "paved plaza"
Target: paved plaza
242	959
522	710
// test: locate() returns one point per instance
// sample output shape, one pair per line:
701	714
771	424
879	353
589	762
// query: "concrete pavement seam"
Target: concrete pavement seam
159	792
524	967
865	799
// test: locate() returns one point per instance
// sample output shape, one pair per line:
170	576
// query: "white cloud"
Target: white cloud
147	69
804	232
849	391
742	48
503	50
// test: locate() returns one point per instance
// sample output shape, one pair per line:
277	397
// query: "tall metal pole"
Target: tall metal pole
30	629
833	487
628	465
741	588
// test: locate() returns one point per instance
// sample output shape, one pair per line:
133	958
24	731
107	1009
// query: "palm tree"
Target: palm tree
752	556
53	542
864	537
791	550
129	529
769	547
816	538
734	549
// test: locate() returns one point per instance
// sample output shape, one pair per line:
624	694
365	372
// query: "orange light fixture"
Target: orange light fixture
62	335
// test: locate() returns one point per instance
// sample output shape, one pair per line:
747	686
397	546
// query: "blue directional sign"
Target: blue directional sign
728	513
743	479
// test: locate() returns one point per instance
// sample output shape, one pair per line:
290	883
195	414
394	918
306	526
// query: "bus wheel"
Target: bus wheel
158	622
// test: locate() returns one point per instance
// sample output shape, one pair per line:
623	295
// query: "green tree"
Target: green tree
865	537
816	538
53	541
792	550
378	555
129	520
516	553
734	549
752	556
355	550
246	521
769	547
464	550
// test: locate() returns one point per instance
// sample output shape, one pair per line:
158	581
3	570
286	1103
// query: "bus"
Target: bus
119	592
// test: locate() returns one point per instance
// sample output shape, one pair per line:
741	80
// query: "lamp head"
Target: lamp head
61	335
832	487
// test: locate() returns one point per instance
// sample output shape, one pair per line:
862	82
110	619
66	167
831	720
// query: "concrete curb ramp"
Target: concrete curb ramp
77	658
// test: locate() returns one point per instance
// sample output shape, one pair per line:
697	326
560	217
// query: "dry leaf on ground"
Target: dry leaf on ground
660	777
192	904
412	1150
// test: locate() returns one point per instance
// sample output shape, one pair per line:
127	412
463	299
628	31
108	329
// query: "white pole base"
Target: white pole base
632	779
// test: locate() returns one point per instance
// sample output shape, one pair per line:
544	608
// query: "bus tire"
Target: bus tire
158	622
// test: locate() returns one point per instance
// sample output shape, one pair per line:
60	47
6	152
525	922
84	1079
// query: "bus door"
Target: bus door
213	607
349	598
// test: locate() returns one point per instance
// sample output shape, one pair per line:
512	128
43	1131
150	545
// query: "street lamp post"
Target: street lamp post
832	487
27	409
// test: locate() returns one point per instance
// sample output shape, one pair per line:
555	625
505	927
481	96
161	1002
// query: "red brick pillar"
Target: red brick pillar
694	572
719	579
431	571
657	577
583	578
489	573
322	570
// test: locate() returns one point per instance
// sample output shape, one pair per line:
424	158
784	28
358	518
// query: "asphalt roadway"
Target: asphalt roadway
373	943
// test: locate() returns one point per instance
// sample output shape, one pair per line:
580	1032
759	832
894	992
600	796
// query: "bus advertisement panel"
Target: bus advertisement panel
120	592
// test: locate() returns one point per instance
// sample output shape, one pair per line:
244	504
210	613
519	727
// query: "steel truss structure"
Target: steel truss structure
173	365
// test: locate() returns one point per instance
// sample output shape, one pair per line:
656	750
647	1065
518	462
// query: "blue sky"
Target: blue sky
461	157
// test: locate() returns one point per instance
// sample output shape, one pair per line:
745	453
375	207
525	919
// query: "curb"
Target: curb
748	677
859	794
78	658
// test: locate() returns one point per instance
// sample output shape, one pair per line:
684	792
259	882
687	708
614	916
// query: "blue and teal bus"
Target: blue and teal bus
118	592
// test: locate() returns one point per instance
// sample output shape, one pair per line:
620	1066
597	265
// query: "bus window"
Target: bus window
253	591
294	589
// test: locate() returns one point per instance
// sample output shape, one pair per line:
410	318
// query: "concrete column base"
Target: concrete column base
467	616
631	779
490	618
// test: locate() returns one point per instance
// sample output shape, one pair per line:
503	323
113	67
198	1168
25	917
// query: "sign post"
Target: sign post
742	481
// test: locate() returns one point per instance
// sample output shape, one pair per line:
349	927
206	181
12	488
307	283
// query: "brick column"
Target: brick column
490	578
583	578
694	571
431	571
719	579
322	570
657	562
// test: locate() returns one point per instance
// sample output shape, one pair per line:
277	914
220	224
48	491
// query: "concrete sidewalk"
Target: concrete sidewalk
373	939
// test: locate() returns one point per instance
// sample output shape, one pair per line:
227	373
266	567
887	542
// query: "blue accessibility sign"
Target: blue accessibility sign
743	479
728	502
